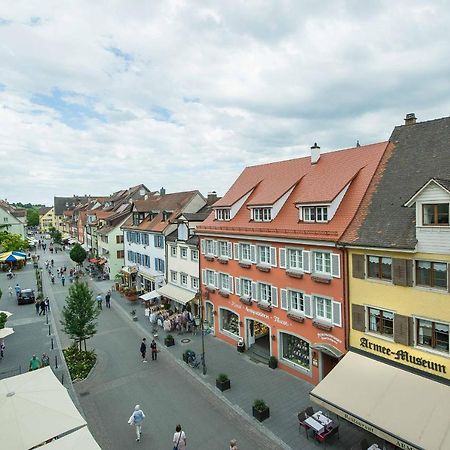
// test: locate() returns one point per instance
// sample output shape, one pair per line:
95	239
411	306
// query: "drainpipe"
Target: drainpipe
346	302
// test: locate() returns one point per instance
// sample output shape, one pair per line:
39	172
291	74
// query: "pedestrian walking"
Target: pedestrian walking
63	279
57	272
47	304
2	348
37	306
17	288
34	363
108	299
143	349
99	299
10	289
179	439
45	360
136	419
42	305
154	350
233	444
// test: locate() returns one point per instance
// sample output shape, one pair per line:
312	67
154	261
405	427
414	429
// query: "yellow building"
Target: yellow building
46	219
395	379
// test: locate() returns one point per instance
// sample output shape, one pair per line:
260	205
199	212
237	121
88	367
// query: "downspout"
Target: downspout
346	299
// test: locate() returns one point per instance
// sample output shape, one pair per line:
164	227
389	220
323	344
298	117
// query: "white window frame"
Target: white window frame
185	250
223	245
195	283
224	286
241	252
264	254
299	259
210	274
223	214
174	276
183	276
262	214
194	255
245	282
173	251
311	214
327	305
265	292
209	247
300	300
322	256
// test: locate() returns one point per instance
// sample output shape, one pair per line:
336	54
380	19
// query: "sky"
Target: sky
100	96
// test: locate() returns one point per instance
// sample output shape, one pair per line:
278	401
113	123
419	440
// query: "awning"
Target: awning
408	410
128	269
328	349
176	294
81	438
149	295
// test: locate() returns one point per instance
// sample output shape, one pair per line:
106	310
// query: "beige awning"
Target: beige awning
149	295
176	293
80	439
405	409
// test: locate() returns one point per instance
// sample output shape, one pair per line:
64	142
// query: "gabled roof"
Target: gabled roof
312	183
419	152
13	210
62	203
44	210
443	184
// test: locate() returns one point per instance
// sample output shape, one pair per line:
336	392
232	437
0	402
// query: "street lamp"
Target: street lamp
199	298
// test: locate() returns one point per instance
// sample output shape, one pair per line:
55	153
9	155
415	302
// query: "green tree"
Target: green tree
55	235
78	254
80	314
12	241
32	217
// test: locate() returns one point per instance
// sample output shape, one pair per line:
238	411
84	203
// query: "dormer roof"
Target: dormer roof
443	184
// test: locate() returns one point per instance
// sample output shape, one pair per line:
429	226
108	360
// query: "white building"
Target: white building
12	219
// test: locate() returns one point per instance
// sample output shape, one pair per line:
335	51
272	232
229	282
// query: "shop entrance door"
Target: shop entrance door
328	363
258	337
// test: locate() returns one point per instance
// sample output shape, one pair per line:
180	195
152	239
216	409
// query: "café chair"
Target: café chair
302	416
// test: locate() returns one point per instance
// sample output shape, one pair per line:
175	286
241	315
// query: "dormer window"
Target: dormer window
435	214
223	214
262	214
315	214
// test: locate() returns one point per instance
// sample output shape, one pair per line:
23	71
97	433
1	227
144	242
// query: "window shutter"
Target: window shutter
156	264
283	258
306	261
335	265
411	331
231	284
202	242
358	317
358	266
236	251
308	305
448	277
409	272
253	254
237	286
204	276
254	292
337	314
230	250
216	248
274	296
155	240
284	304
400	272
401	329
273	256
216	275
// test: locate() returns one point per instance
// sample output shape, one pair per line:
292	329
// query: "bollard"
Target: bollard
46	318
52	342
56	361
49	330
62	378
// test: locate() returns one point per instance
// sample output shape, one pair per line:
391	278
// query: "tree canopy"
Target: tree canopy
12	241
55	235
80	313
78	254
32	217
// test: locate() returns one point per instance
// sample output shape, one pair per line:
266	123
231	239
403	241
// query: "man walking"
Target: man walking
143	349
17	288
154	350
34	363
63	279
99	299
136	419
108	299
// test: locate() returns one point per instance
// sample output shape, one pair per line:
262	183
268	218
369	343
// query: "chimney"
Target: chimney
212	197
315	153
162	192
410	119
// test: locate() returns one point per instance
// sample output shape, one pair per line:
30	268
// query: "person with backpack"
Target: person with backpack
136	419
108	299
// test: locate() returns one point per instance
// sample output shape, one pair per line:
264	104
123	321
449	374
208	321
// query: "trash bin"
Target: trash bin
241	345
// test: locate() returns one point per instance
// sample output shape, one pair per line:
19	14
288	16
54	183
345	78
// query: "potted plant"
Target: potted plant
260	410
273	362
169	341
223	382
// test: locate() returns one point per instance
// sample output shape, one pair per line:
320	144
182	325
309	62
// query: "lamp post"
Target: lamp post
199	298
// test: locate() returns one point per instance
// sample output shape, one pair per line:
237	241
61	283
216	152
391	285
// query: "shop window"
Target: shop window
209	314
295	350
433	335
379	267
229	321
381	322
432	274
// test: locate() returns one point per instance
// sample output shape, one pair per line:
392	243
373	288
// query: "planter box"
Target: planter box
223	385
245	300
295	318
261	415
225	294
223	260
319	279
263	268
294	274
273	364
169	343
245	265
240	348
264	306
322	326
211	288
209	257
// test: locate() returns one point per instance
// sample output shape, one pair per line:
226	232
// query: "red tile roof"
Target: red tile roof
314	183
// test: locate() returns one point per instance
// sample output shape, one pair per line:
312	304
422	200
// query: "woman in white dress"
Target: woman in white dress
179	439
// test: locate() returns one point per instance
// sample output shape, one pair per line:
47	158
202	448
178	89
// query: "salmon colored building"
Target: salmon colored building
272	270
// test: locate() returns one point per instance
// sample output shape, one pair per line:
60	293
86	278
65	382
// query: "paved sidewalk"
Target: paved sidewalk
285	394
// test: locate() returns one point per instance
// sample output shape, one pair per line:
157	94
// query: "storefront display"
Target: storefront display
296	350
260	330
209	316
229	322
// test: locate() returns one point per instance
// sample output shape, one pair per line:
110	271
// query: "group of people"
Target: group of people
153	348
36	363
181	322
60	272
42	306
99	299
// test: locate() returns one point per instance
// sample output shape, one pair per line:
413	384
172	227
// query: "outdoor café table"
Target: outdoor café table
321	418
314	424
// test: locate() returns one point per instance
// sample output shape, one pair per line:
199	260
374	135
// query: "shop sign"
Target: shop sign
261	314
403	356
329	337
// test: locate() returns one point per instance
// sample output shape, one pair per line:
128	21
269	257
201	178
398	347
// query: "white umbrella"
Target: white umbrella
5	332
8	314
81	438
35	407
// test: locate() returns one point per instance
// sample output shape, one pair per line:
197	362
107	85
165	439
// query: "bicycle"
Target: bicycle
193	361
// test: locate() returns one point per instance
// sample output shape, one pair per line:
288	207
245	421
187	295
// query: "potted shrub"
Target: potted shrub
273	362
169	341
260	410
223	382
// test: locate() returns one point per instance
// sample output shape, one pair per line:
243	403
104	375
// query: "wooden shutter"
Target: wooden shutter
274	296
411	331
254	291
273	256
401	329
283	258
253	253
337	320
237	286
308	305
204	276
229	250
335	265
231	284
216	275
215	248
402	272
236	251
358	266
358	317
306	261
284	304
202	246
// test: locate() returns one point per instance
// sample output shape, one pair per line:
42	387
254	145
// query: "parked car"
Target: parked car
25	297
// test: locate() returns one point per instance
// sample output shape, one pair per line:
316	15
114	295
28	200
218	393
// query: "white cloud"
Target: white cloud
239	83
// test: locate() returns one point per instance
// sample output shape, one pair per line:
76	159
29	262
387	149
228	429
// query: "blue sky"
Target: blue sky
97	97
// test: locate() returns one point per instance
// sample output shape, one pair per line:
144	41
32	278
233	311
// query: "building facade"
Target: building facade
12	219
46	219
